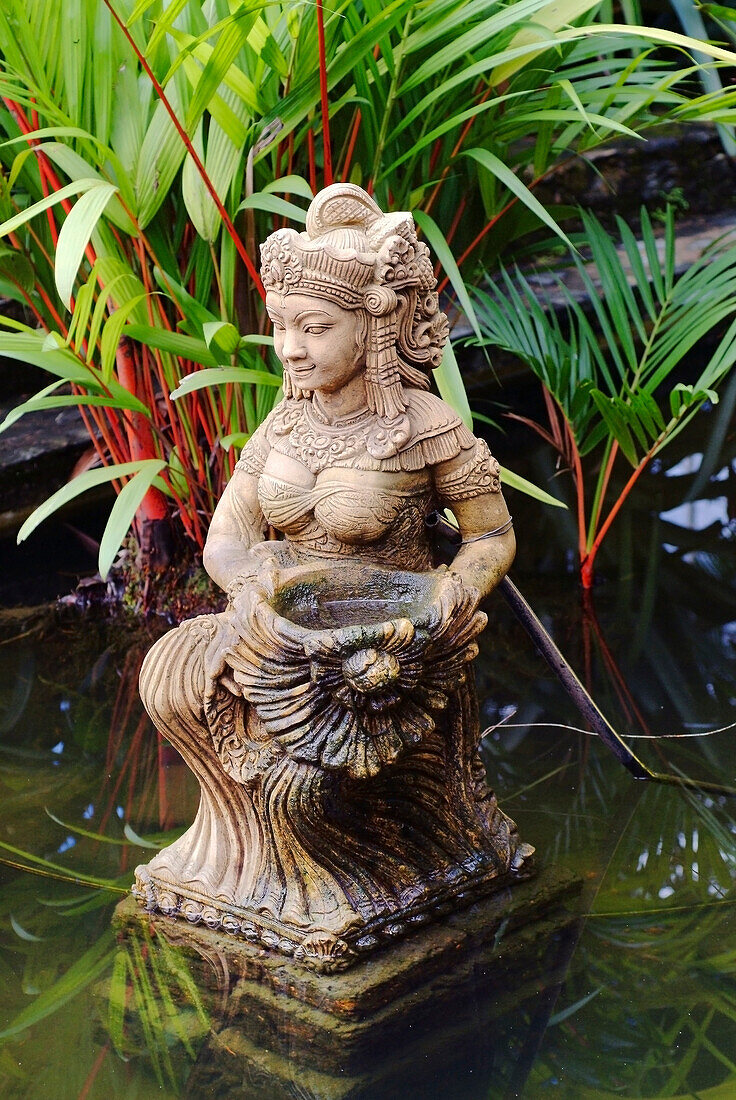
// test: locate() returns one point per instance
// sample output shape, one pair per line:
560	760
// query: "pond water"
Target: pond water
634	998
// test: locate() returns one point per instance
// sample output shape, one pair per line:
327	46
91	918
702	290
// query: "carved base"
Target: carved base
318	949
445	1012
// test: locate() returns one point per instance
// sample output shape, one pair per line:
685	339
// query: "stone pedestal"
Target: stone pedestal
420	1018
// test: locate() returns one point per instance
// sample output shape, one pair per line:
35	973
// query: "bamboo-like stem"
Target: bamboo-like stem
326	146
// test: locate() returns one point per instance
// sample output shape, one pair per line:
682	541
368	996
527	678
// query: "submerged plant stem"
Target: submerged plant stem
586	704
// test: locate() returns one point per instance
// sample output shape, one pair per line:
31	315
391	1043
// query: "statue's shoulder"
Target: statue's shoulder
279	422
437	433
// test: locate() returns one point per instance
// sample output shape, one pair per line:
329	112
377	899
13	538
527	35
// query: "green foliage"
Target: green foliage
189	130
620	395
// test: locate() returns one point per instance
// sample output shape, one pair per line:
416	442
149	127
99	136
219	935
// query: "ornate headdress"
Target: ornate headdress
360	258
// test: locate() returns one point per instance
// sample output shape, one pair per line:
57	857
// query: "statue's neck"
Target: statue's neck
349	399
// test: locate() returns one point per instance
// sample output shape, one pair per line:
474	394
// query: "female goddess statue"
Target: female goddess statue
327	712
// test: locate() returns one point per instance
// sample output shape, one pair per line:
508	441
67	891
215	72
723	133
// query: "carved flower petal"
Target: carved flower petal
341	736
385	736
415	722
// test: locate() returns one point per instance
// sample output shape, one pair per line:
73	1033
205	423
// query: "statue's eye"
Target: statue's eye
316	330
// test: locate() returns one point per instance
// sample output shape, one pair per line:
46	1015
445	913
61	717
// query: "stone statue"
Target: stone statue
329	713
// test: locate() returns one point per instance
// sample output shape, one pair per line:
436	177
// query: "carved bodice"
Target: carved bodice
336	489
352	512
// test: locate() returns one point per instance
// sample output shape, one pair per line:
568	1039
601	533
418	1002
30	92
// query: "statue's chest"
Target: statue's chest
318	449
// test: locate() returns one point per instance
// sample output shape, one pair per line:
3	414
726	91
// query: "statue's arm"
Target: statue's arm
471	487
483	562
237	525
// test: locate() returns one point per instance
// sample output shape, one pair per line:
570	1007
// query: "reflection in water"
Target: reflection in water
637	999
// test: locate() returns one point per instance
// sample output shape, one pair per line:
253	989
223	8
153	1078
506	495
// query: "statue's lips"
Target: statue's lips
304	369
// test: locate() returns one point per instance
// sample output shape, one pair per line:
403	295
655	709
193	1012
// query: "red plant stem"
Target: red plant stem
108	419
210	424
456	220
579	488
436	150
451	231
290	147
31	305
226	220
147	376
130	756
489	225
457	147
476	240
323	95
312	165
351	145
626	699
604	486
91	1076
149	793
138	428
587	654
173	416
45	188
48	175
586	567
117	449
163	800
41	291
141	728
93	436
49	213
125	697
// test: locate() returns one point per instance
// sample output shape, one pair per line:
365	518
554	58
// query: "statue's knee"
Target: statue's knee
170	680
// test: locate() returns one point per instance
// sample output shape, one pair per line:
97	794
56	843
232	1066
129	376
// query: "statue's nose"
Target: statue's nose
293	345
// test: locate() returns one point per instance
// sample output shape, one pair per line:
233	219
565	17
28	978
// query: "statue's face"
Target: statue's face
317	341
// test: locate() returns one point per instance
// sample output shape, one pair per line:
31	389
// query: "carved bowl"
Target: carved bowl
350	595
348	664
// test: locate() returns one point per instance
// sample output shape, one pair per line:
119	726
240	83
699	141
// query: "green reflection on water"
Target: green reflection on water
646	1004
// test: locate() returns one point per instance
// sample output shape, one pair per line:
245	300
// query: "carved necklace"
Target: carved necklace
319	444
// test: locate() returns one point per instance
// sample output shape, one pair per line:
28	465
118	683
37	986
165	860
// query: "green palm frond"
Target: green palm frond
614	376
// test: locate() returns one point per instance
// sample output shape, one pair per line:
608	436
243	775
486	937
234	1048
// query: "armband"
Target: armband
481	474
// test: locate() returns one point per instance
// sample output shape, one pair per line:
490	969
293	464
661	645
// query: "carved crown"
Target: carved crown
349	246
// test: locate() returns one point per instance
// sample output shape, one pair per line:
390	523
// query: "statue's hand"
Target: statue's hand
450	594
258	567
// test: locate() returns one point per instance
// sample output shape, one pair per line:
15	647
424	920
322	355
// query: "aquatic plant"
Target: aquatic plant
165	135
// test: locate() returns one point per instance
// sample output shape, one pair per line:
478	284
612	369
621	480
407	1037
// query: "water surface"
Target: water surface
638	998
